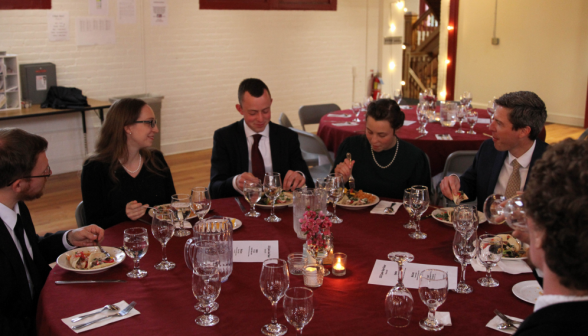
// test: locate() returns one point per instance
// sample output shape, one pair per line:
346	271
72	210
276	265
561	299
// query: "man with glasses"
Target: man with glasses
24	256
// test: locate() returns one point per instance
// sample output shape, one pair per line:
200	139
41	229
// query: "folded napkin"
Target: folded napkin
483	120
122	305
335	115
187	225
347	123
493	324
443	137
506	266
444	318
408	122
379	208
406	107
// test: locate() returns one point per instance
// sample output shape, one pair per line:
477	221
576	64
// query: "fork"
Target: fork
507	321
108	257
351	179
122	313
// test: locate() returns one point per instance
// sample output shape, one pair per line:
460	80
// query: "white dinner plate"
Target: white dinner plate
528	291
525	247
117	254
237	224
278	205
481	216
359	207
167	206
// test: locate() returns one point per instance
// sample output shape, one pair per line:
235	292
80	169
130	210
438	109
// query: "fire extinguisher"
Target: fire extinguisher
376	86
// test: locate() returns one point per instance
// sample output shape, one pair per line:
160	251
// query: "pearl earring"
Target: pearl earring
129	133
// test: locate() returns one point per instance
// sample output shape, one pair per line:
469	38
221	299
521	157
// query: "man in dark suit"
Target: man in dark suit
253	146
24	256
502	163
556	200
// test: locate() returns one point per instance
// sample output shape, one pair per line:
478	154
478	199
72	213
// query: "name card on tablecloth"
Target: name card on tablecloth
408	122
254	250
385	273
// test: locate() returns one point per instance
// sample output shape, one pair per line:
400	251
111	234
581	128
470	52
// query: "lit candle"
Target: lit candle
313	276
339	266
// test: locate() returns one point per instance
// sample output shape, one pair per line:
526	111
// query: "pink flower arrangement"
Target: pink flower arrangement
316	227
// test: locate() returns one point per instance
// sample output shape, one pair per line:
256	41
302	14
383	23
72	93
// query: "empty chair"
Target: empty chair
312	114
284	121
311	143
80	215
457	163
311	159
584	135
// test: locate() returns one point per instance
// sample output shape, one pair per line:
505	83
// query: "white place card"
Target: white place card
385	273
254	250
408	122
483	120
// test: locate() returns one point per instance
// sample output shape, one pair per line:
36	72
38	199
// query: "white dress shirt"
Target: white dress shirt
524	160
264	148
548	300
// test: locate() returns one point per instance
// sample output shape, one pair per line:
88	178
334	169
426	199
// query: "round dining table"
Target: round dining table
345	305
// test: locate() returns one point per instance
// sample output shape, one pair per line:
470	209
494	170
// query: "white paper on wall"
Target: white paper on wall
58	25
95	30
159	12
98	7
126	11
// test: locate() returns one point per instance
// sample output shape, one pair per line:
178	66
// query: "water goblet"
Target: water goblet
433	287
321	183
206	287
200	201
356	108
489	254
399	302
493	209
408	208
163	227
491	109
419	202
398	95
298	307
464	249
252	191
472	119
272	187
198	253
136	243
180	205
461	113
515	214
335	191
274	282
466	99
423	118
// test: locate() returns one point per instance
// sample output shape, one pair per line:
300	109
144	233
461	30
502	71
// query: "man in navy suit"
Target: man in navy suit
253	146
556	200
502	163
24	256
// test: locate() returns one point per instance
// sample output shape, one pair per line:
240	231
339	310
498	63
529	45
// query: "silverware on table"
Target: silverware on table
488	135
351	179
107	307
507	321
389	209
122	313
240	205
420	136
74	282
108	257
144	221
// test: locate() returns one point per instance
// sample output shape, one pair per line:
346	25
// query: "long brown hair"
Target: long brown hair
112	143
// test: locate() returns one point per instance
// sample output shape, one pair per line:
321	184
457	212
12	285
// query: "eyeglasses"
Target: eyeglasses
46	173
151	122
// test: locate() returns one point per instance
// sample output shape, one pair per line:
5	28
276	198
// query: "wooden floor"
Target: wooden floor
55	210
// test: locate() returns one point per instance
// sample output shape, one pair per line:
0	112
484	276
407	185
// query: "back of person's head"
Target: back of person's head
254	86
19	151
386	109
556	199
527	110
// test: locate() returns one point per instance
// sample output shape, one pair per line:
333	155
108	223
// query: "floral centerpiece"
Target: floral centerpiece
317	228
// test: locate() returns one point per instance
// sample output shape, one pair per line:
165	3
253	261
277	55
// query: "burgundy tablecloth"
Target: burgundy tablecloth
344	306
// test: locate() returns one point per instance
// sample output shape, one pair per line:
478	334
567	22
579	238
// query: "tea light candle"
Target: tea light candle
339	265
313	275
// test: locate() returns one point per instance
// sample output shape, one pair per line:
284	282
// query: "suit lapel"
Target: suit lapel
537	154
275	148
8	247
498	162
243	151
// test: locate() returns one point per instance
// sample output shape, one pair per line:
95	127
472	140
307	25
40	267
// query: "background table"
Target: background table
344	305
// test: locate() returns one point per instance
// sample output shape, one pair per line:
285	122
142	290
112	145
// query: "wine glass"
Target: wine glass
200	201
408	208
461	113
321	183
472	118
466	99
252	190
298	307
491	108
399	302
136	243
206	286
433	287
366	103
274	282
422	117
489	254
419	202
180	205
515	214
198	253
356	108
272	187
398	95
464	249
335	190
493	208
163	227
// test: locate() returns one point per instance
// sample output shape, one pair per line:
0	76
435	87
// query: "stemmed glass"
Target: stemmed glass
491	108
272	187
321	183
298	307
199	253
466	99
335	191
419	202
398	95
515	214
472	118
252	190
274	282
180	204
464	249
489	254
399	302
206	286
200	201
464	219
408	208
356	108
163	227
461	113
433	287
136	243
493	209
422	117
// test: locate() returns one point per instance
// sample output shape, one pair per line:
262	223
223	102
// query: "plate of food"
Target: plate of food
283	200
236	223
512	248
358	200
444	215
168	207
528	291
89	260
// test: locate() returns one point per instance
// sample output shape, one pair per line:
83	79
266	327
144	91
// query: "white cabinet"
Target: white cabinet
9	83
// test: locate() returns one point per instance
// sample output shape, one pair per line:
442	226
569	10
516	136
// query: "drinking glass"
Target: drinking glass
198	253
433	292
493	208
406	203
461	113
515	214
491	108
464	249
272	187
136	243
356	108
335	190
180	205
448	113
200	201
398	95
206	287
163	227
298	307
252	190
399	302
472	118
489	254
422	117
219	230
274	282
419	202
321	183
466	99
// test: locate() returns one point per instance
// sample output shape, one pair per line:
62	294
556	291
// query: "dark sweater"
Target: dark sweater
105	201
409	168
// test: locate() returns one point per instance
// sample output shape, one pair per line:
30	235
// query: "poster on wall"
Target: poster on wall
58	25
98	7
159	12
126	11
95	30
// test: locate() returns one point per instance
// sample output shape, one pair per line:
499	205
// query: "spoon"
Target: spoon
503	325
107	307
389	209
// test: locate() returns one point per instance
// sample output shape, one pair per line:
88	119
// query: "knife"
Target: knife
420	136
122	313
508	321
61	282
240	205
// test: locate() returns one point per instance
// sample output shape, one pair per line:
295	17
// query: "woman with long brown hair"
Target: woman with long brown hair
125	175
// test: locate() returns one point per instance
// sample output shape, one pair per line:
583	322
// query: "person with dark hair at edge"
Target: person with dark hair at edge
24	256
383	164
254	146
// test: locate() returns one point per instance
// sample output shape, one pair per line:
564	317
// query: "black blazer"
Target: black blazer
480	179
230	156
17	308
558	319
